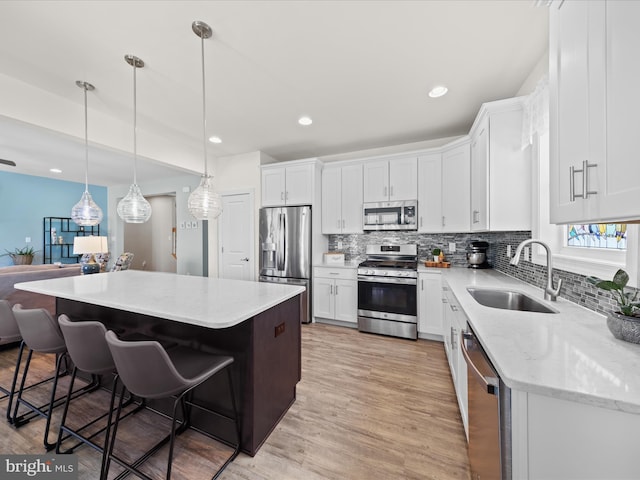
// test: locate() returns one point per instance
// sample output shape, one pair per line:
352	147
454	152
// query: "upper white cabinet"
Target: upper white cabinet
430	192
292	183
456	192
500	169
342	199
391	180
594	102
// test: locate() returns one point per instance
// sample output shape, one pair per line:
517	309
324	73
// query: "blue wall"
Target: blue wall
25	200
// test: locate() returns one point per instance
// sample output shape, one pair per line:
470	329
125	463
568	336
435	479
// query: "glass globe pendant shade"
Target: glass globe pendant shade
204	203
86	212
134	208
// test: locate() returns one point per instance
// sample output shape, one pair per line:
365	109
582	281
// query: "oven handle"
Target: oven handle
400	281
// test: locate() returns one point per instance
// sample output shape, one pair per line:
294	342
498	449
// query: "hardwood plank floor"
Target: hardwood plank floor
368	407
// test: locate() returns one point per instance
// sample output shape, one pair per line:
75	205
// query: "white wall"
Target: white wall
540	70
190	246
233	174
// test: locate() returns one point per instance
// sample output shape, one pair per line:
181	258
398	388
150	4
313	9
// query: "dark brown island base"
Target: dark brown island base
265	344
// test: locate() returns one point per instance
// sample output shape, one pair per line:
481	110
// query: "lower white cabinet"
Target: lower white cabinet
335	294
430	305
454	322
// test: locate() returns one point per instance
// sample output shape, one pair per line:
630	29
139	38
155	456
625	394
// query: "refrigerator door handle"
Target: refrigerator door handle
280	253
283	233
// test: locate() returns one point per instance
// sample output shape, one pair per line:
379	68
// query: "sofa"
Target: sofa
9	276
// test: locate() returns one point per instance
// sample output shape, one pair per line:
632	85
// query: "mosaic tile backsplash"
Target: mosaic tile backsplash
575	288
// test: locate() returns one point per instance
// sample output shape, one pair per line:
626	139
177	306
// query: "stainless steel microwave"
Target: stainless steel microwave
390	215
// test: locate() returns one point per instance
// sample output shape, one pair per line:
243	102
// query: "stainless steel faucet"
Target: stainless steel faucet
550	293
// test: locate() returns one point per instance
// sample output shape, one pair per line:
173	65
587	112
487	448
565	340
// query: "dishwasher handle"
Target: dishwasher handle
489	383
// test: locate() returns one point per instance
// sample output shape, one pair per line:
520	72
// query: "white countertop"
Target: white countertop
203	301
569	355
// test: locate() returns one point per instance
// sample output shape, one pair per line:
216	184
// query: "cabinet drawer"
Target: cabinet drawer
328	272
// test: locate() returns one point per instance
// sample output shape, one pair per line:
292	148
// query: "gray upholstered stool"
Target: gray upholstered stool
89	353
40	333
149	371
9	333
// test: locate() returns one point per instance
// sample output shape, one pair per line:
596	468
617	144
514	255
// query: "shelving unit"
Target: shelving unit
56	250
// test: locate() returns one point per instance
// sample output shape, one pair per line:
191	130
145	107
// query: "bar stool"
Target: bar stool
40	333
89	353
149	371
9	333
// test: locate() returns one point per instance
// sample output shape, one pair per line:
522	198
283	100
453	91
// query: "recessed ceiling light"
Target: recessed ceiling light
438	91
55	170
215	139
305	121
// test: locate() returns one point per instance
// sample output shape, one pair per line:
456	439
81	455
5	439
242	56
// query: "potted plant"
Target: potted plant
21	256
624	324
436	254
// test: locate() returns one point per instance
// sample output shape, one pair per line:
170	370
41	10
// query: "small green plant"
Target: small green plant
627	301
21	251
436	252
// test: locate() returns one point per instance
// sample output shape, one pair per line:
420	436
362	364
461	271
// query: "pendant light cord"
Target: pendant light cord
86	143
204	110
135	140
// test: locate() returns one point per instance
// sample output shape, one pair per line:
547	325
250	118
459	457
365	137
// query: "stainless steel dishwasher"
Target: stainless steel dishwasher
489	414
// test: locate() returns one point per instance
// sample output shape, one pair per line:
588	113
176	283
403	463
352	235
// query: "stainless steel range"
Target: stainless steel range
387	291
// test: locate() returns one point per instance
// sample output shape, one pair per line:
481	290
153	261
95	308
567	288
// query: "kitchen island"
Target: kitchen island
257	323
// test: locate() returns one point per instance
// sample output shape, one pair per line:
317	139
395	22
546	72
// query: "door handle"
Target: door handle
245	259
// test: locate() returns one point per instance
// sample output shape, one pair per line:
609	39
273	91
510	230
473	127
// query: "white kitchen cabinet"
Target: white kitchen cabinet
391	180
456	187
556	438
594	100
430	193
430	305
335	294
500	169
292	183
455	322
342	199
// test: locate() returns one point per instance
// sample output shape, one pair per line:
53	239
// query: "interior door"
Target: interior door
236	237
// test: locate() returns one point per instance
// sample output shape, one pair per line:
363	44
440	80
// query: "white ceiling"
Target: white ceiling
361	69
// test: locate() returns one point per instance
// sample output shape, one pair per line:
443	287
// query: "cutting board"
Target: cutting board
429	263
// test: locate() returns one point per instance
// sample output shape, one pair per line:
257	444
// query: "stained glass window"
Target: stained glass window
612	236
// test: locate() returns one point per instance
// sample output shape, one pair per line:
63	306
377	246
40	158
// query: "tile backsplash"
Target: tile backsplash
575	287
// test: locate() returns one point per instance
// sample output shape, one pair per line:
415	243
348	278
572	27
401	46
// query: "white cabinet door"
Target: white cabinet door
331	201
448	320
346	300
456	189
480	177
376	181
351	199
594	100
430	193
299	185
323	297
403	179
273	186
430	304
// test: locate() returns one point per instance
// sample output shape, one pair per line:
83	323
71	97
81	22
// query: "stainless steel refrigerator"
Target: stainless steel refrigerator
285	249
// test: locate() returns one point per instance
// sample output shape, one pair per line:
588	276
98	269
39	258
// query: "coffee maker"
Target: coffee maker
477	254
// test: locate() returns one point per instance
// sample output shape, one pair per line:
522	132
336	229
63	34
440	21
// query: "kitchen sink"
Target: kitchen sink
508	300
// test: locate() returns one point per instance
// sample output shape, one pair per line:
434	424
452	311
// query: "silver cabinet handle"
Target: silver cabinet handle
334	273
286	195
444	300
476	216
342	223
453	338
338	223
282	196
422	285
385	192
336	289
443	221
391	191
585	181
330	289
453	307
572	184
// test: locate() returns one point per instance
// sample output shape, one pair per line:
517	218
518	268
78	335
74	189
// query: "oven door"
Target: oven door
388	298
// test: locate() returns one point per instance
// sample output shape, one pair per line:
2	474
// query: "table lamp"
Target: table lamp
92	245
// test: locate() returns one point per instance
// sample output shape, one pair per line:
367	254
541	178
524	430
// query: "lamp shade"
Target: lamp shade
90	244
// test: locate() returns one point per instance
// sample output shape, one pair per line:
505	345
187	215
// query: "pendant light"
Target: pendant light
134	208
86	213
204	203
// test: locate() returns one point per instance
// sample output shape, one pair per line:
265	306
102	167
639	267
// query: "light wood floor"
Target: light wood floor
368	407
